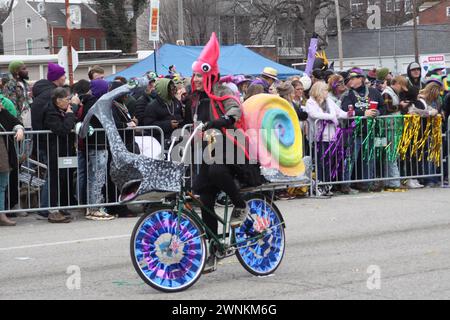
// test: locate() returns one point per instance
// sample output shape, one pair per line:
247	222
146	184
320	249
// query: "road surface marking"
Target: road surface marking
51	244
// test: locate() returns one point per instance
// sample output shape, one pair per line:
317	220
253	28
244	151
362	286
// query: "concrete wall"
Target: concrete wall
397	65
15	32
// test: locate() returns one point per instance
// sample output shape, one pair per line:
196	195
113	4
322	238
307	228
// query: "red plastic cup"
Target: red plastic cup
373	105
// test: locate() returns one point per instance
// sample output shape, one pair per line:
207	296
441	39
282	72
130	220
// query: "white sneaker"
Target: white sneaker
417	184
98	215
21	214
413	184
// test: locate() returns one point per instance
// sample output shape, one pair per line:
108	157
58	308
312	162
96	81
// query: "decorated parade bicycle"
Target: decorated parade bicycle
168	244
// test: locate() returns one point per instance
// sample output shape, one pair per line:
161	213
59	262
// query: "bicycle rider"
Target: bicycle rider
206	104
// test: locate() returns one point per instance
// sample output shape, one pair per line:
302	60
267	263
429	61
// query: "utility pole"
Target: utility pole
69	43
180	20
339	27
416	37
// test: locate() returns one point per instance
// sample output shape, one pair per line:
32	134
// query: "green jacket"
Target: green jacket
9	105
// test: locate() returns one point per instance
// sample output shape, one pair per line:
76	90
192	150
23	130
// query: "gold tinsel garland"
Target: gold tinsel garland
436	141
412	140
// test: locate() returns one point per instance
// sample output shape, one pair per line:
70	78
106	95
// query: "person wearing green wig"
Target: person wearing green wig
17	90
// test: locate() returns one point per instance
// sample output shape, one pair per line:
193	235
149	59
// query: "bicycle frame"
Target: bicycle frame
184	207
225	241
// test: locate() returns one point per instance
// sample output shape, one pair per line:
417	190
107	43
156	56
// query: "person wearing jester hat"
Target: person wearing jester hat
217	107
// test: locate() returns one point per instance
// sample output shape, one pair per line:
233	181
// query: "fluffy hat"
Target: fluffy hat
55	71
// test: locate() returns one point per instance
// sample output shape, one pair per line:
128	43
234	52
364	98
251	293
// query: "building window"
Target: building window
408	6
105	44
389	5
29	47
448	11
28	23
93	44
82	44
280	41
398	5
357	6
60	42
40	7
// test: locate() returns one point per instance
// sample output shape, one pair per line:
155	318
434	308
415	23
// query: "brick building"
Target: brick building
436	12
39	27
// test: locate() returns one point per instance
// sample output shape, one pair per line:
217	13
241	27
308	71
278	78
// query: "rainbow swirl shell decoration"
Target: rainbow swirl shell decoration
274	133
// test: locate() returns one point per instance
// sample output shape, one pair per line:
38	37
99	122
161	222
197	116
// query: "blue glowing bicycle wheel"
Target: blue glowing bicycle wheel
168	257
261	257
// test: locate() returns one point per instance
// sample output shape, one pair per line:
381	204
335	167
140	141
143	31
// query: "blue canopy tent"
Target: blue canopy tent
233	60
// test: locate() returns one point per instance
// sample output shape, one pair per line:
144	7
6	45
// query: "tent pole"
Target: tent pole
154	55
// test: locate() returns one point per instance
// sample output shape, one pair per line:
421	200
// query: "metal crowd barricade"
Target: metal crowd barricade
447	155
364	150
47	181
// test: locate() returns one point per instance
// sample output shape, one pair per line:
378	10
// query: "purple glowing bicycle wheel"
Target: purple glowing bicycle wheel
168	252
261	257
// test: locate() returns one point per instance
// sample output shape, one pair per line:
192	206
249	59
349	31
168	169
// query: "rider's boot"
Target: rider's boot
211	261
210	264
238	217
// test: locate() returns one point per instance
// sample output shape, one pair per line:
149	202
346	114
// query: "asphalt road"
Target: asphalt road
370	246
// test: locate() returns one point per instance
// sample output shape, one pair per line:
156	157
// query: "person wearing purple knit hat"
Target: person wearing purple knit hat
42	94
56	74
99	88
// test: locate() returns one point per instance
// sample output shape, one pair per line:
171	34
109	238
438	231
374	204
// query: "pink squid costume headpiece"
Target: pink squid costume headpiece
207	64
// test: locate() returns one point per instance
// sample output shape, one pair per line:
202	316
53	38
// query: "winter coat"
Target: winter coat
61	144
98	139
18	92
121	118
325	130
163	110
391	101
199	108
42	93
9	105
417	83
360	98
61	124
142	103
8	123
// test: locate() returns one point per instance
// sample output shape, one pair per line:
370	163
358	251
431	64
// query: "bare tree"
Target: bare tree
301	12
5	10
118	19
393	13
